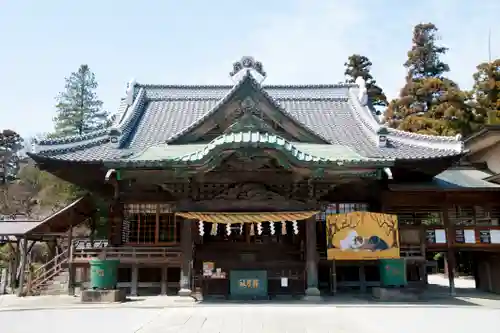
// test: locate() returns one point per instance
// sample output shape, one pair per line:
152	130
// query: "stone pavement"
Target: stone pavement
338	314
254	318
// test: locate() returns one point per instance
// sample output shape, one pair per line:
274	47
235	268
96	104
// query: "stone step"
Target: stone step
57	286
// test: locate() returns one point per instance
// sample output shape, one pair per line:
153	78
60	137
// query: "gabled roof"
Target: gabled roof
488	136
159	114
457	178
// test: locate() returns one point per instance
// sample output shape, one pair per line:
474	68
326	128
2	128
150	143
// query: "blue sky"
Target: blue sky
166	41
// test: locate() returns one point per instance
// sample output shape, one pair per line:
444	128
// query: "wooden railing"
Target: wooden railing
129	254
411	251
38	279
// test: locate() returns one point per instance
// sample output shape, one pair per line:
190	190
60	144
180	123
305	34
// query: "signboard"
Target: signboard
465	236
248	284
435	236
484	237
459	236
362	236
430	236
208	268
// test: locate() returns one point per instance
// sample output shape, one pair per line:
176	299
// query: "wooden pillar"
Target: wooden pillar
164	280
334	278
187	258
311	258
71	266
13	265
135	280
423	250
116	214
362	278
3	280
24	258
450	253
92	230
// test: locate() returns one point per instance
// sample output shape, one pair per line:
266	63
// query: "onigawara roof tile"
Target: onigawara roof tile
153	115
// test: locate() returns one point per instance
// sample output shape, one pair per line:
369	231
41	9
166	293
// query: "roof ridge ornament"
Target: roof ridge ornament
363	92
129	93
248	64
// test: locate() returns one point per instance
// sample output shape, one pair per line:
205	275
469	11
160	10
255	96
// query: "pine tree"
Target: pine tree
79	111
10	144
360	66
486	91
430	103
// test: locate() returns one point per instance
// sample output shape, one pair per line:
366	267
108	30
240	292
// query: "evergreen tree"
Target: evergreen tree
486	91
430	103
358	65
79	111
10	144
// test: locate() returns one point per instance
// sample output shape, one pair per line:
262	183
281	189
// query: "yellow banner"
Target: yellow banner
247	217
362	236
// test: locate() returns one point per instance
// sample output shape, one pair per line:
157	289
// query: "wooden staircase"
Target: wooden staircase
53	272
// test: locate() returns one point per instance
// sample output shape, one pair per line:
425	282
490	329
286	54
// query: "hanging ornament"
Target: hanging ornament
271	228
241	228
283	227
252	229
201	228
259	228
295	227
228	229
213	231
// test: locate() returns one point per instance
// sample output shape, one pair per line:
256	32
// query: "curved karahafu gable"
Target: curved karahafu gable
304	154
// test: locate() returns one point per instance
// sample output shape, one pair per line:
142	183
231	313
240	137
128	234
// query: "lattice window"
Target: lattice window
167	228
408	215
352	207
341	208
148	224
140	208
461	215
486	216
146	229
125	231
429	218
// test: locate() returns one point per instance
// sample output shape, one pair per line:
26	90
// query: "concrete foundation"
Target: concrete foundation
395	294
103	296
185	292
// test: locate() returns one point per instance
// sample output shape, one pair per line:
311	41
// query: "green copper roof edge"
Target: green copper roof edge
247	140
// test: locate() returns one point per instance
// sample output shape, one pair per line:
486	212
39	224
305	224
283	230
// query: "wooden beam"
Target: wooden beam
71	267
187	257
24	258
450	251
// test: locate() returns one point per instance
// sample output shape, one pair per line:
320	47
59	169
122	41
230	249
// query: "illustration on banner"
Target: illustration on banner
362	236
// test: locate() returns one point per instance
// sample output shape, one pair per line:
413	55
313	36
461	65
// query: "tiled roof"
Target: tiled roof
321	154
334	113
453	179
464	178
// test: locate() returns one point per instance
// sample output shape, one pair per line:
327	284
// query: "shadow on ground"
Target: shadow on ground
435	296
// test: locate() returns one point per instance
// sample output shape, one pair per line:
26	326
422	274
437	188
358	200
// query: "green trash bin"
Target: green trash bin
392	272
103	274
